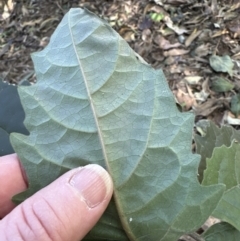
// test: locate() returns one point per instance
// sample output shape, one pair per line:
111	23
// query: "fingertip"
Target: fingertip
67	208
11	180
93	183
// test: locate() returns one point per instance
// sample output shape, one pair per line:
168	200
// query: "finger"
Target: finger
11	182
65	210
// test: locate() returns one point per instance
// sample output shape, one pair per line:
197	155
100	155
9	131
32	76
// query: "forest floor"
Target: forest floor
195	42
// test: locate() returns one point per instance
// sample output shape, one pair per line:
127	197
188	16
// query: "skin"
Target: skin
58	212
12	182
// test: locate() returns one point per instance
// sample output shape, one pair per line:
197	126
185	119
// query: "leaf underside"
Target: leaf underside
95	102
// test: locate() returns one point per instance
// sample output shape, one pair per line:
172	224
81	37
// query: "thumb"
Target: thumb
65	210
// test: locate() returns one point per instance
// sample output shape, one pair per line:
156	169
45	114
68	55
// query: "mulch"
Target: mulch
178	36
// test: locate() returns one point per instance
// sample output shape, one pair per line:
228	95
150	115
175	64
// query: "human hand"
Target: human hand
65	210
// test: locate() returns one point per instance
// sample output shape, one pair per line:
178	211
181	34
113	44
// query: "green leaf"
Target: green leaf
222	64
95	102
221	85
221	232
11	116
213	137
235	105
224	167
157	17
109	227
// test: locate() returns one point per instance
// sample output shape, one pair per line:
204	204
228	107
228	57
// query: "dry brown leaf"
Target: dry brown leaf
195	20
32	22
204	93
205	35
201	96
166	31
176	2
169	60
230	119
202	50
159	2
209	107
127	33
157	56
147	35
193	80
44	41
156	9
234	6
4	49
214	7
205	85
192	36
206	108
236	56
175	28
128	7
175	69
234	26
219	33
25	11
186	100
228	16
48	22
164	43
147	8
7	9
175	52
190	71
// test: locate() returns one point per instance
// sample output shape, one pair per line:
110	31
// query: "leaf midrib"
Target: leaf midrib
89	96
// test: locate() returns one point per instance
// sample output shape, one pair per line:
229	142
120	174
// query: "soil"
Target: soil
178	36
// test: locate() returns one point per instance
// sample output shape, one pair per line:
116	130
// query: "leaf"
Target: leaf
164	43
221	85
195	33
235	105
108	227
222	64
221	232
224	167
156	17
175	52
214	137
11	116
193	80
96	102
168	21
